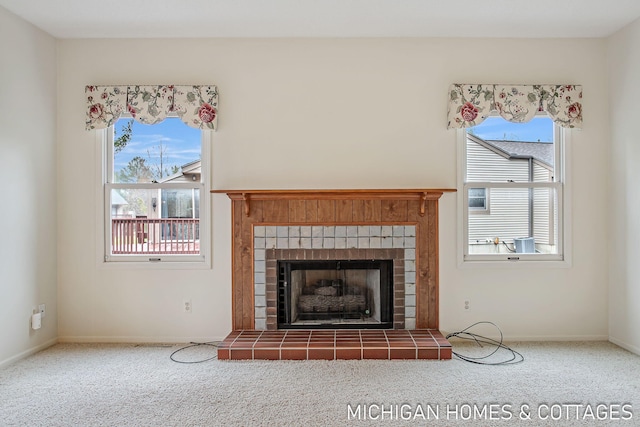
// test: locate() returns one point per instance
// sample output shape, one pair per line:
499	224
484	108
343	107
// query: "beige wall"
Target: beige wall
328	113
624	293
27	186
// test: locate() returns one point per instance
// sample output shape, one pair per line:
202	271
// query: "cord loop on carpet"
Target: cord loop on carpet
191	345
479	339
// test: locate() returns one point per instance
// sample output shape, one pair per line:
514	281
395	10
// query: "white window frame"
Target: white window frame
562	145
106	158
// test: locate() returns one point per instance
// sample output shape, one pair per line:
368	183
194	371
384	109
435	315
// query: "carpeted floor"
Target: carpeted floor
576	383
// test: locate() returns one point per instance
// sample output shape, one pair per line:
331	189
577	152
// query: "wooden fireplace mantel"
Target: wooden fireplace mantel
420	194
251	208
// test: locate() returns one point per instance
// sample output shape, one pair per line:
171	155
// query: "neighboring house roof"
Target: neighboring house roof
188	172
117	199
543	152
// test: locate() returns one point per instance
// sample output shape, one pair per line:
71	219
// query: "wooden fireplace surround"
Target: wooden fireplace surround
417	207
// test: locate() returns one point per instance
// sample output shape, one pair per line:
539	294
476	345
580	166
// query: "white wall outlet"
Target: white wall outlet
187	306
36	321
467	304
41	309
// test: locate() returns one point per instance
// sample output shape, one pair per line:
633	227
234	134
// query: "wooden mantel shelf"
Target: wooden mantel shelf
421	194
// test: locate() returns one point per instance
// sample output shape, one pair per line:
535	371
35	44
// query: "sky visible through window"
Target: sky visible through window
179	143
539	129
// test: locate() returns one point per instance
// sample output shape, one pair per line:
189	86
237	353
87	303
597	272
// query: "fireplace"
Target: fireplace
335	247
336	294
269	226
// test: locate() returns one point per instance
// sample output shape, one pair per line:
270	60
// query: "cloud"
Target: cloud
180	144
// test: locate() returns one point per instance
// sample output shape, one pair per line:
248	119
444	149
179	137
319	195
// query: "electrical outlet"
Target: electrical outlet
467	304
41	309
187	306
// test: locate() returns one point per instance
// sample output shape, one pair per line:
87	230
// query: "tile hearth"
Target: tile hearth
328	344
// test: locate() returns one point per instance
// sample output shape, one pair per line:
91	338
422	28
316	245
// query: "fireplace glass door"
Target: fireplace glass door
335	294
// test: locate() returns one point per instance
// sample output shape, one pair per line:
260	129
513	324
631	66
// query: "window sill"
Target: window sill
153	265
502	264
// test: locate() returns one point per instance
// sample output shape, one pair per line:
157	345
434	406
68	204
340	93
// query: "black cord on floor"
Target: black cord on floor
191	345
479	339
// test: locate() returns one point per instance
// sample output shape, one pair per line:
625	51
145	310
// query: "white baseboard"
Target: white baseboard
632	348
543	338
27	353
136	340
558	338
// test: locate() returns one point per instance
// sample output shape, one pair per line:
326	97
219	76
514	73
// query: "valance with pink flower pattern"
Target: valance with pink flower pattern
470	104
197	106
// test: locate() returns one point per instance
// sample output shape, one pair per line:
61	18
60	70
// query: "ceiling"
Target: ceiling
326	18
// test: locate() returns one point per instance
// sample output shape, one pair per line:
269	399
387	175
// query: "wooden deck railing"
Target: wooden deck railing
155	236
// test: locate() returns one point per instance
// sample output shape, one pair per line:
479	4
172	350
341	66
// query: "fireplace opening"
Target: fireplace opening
335	294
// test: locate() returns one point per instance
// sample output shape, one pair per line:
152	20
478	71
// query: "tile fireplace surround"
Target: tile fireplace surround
271	225
336	243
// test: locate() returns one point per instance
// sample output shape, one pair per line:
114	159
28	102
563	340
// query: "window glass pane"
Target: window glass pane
139	225
521	219
148	153
520	213
500	151
476	203
163	215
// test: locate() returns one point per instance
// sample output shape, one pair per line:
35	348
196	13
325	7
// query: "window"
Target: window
478	200
521	166
156	177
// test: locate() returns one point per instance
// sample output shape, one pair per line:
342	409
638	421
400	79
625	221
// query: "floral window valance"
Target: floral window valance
197	106
470	104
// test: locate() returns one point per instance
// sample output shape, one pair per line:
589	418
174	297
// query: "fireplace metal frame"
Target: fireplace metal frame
333	317
272	256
